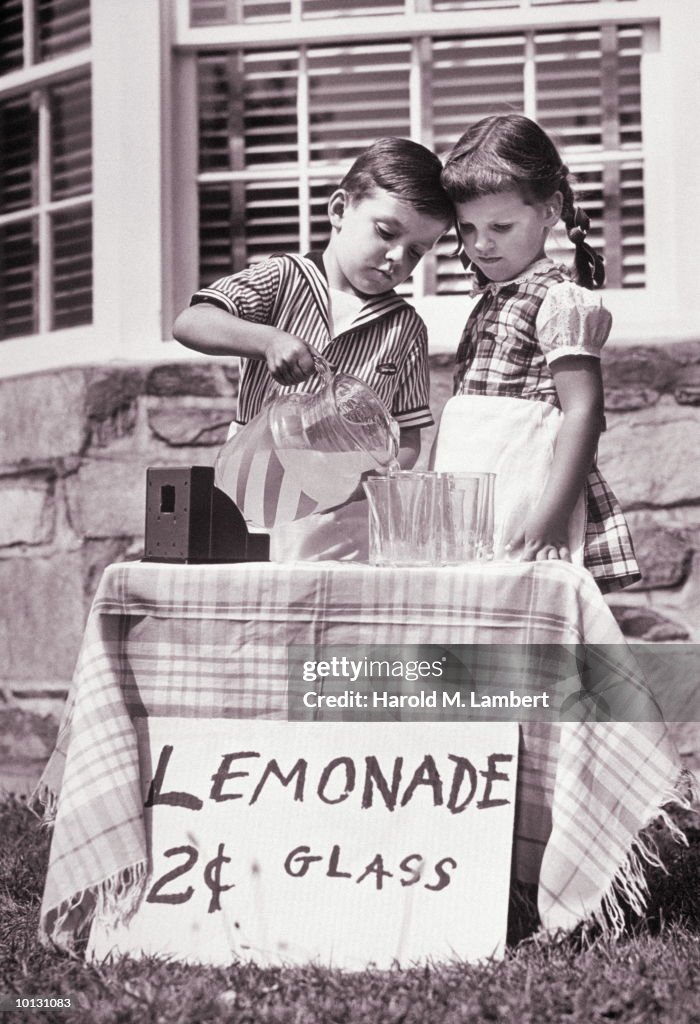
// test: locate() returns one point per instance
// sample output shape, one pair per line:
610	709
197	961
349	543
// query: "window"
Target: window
278	127
45	167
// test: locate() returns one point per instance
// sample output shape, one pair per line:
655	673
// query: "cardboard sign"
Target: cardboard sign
340	843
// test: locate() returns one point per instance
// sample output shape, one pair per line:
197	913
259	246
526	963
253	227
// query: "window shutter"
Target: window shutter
71	139
266	10
18	271
473	5
589	100
472	78
554	3
342	120
268	108
18	254
213	99
221	12
11	36
321	192
63	26
271	218
18	131
72	266
632	217
215	230
361	8
247	110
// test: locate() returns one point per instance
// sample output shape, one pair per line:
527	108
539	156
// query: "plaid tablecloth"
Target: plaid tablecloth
212	641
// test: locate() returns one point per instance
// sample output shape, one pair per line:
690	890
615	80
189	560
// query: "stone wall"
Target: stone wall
75	445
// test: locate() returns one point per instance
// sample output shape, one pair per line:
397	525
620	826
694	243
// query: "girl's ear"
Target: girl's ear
336	207
552	209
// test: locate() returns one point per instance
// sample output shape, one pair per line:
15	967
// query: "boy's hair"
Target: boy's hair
507	152
407	170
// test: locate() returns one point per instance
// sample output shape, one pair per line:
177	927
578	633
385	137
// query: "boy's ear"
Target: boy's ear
336	207
552	209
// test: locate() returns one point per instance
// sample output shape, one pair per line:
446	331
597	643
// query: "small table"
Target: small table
193	641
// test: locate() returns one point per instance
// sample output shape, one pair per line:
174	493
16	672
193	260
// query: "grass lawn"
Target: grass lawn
652	975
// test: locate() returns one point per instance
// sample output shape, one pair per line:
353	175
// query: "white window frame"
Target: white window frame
131	106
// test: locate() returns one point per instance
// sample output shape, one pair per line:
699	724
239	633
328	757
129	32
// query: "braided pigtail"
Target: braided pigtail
589	265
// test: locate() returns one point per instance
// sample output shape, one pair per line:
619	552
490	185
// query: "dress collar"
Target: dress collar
493	287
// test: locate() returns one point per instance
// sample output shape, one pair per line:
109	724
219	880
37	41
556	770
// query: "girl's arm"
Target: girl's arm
579	386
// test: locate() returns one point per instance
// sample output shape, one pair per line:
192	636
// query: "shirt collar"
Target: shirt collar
316	257
374	305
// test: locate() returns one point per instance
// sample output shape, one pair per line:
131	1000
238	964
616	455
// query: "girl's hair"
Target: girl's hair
404	168
509	151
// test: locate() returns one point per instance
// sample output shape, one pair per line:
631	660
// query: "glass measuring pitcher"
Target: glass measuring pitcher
306	452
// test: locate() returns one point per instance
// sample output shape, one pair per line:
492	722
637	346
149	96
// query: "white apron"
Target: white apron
513	438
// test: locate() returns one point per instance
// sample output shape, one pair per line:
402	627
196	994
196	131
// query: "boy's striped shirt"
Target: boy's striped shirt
386	345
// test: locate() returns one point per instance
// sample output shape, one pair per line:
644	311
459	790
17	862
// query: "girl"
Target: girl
535	334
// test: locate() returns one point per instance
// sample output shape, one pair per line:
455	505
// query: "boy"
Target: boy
388	211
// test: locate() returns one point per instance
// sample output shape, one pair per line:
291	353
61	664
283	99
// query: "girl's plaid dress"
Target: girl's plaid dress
503	353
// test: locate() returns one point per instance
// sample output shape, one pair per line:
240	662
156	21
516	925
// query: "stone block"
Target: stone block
42	416
110	388
200	379
687	389
27	512
111	403
202	426
664	553
650	457
44	613
640	622
635	377
107	497
232	373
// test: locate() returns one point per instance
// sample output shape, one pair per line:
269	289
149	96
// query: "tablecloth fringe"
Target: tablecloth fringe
629	889
119	897
46	796
114	900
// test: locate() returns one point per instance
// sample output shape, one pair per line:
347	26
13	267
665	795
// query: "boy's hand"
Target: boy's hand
540	539
289	359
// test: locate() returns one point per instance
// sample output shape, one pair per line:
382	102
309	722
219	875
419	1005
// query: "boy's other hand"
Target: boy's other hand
289	359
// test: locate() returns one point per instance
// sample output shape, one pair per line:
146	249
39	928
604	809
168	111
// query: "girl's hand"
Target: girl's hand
542	538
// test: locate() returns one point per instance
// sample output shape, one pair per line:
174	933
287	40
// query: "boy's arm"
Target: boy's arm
409	447
208	329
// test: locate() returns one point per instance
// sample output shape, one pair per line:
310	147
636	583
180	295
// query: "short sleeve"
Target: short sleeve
410	406
572	322
250	294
